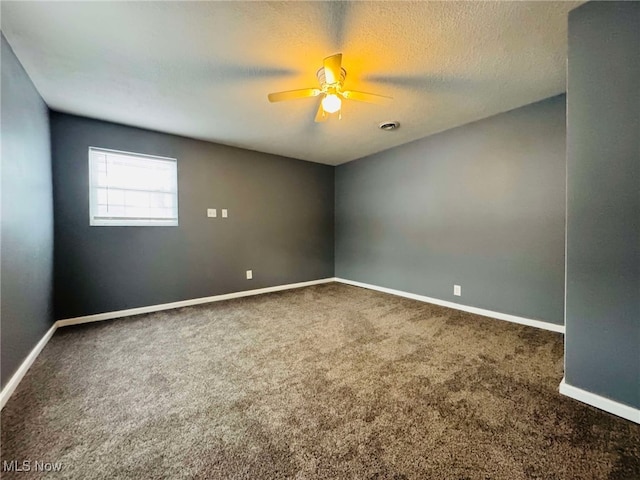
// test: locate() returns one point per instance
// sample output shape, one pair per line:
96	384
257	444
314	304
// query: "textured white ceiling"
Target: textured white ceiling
204	69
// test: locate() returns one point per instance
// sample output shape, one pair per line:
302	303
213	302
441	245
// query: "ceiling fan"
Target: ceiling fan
331	77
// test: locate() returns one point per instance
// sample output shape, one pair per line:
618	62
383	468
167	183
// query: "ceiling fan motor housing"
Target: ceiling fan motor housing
323	80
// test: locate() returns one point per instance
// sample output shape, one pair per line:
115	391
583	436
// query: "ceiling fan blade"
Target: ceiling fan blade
321	115
293	94
365	97
332	68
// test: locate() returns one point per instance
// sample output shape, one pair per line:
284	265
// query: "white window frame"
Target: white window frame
94	220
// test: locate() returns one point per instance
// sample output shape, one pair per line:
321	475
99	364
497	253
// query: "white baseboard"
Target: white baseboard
603	403
17	377
10	387
185	303
456	306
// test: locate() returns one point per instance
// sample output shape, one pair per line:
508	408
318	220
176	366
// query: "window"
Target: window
132	189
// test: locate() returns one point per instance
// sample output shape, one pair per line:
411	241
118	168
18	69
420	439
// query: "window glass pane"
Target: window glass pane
161	212
137	212
157	199
115	211
130	186
136	199
102	211
115	197
102	196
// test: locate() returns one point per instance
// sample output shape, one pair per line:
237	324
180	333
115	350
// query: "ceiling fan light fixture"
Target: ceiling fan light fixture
331	103
331	77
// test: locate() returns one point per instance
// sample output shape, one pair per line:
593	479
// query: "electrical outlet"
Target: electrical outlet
249	274
457	290
212	213
225	214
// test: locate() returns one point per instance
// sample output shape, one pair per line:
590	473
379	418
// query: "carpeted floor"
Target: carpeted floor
331	382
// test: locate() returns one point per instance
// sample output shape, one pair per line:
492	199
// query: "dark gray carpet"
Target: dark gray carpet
329	382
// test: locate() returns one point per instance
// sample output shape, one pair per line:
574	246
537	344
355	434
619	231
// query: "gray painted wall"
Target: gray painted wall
27	216
603	200
481	206
280	223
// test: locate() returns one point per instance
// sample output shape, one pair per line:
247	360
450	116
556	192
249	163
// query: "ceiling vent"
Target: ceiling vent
388	126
